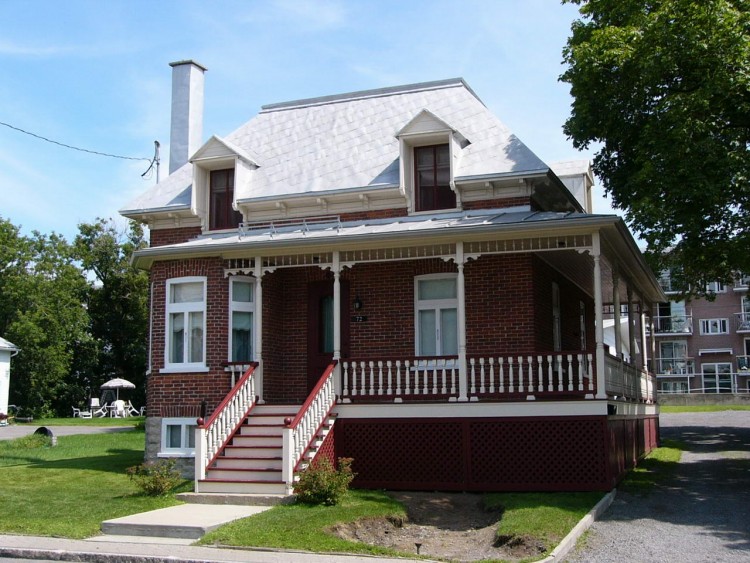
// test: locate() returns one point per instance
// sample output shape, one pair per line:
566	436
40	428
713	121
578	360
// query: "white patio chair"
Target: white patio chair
98	410
81	414
118	409
131	410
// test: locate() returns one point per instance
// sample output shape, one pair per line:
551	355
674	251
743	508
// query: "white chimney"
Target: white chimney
187	112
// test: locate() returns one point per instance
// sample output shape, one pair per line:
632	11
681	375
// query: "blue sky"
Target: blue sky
95	75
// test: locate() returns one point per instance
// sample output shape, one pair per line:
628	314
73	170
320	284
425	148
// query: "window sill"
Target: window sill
189	453
185	369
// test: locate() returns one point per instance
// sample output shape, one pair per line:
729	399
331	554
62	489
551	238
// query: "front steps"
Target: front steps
251	463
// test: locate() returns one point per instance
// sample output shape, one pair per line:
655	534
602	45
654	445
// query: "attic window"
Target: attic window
221	196
432	173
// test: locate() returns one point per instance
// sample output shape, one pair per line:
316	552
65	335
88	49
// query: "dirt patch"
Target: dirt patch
453	526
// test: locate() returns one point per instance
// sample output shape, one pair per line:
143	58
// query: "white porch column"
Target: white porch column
631	327
643	340
616	301
337	319
463	372
258	327
601	392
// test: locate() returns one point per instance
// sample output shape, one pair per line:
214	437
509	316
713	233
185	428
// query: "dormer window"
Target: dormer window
221	195
432	174
429	152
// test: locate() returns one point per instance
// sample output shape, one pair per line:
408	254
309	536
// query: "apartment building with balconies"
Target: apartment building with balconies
702	345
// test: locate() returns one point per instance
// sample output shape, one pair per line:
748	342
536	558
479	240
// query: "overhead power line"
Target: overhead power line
71	146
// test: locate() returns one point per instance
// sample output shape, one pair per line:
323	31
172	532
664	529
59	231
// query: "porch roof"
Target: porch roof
268	239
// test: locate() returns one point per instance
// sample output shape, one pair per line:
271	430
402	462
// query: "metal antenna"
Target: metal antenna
155	161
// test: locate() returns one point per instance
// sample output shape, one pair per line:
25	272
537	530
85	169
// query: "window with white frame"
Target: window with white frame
177	436
673	357
186	323
716	287
714	326
242	309
436	317
717	377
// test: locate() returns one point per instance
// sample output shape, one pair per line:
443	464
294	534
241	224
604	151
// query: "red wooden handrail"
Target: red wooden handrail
301	413
248	373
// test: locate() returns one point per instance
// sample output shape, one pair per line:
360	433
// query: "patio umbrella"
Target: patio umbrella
118	383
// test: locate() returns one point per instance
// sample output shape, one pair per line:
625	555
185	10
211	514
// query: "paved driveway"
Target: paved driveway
701	514
18	430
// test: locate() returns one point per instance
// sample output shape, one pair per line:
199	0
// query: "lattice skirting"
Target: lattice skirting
513	454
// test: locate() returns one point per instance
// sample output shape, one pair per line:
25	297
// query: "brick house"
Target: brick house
393	276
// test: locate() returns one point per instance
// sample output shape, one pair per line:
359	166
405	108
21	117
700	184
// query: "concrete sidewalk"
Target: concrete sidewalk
32	547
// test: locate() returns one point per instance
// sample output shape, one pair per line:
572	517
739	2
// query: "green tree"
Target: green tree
43	313
662	87
116	302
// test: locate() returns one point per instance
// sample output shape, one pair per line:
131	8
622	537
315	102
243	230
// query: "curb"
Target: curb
568	543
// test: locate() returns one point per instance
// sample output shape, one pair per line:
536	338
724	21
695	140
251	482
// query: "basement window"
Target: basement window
177	437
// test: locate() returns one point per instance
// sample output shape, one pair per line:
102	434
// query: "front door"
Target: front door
320	327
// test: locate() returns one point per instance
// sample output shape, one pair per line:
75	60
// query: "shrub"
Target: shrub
155	478
320	483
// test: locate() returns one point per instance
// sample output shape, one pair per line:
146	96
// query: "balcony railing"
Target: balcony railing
743	364
674	324
675	366
742	322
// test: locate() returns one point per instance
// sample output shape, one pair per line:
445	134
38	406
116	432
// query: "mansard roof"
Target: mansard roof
350	141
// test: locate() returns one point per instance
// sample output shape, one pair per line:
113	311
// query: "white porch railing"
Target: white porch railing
531	375
630	382
300	432
211	435
488	377
395	379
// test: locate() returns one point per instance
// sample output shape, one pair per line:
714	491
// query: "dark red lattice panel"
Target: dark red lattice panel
477	454
406	454
629	441
327	449
534	454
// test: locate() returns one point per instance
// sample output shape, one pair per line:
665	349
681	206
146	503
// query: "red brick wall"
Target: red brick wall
161	237
508	308
387	294
496	203
375	214
499	305
285	332
169	394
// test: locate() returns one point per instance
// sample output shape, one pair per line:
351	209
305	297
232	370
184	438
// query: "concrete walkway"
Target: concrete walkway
31	547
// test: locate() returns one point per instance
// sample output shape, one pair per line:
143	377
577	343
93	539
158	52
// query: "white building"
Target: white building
7	351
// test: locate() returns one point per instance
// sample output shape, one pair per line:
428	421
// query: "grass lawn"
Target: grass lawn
549	517
69	489
299	526
703	408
